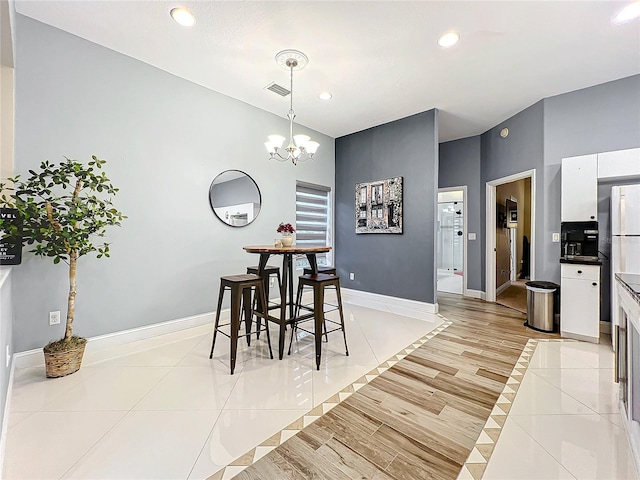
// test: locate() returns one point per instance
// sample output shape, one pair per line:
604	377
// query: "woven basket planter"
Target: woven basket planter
60	364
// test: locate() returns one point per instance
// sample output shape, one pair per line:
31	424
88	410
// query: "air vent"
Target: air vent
280	90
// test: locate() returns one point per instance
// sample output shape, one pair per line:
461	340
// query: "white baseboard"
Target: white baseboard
475	294
358	297
34	358
605	327
503	287
577	336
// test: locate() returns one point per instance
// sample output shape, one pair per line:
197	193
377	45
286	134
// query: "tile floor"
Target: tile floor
161	409
564	422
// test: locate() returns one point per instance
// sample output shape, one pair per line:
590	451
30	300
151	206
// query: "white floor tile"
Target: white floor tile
537	396
236	432
108	388
572	355
149	445
517	456
588	446
46	444
594	387
191	388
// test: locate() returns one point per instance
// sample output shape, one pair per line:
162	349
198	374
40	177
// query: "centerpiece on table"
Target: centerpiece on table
286	229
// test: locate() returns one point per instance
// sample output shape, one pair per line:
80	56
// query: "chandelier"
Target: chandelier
300	147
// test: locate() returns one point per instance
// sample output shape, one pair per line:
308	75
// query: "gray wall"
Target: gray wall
459	165
390	264
164	139
597	119
522	150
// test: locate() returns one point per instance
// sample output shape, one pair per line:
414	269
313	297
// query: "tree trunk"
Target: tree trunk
71	305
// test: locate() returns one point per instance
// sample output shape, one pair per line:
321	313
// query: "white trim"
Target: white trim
577	336
465	236
490	227
503	287
34	358
475	294
368	299
5	418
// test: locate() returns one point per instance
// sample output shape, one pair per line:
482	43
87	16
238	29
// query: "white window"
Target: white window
313	220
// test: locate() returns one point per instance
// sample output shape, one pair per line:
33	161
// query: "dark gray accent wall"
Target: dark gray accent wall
602	118
165	139
521	150
459	164
390	264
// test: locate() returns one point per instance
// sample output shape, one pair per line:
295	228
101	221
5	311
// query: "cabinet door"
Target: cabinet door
619	164
580	188
580	308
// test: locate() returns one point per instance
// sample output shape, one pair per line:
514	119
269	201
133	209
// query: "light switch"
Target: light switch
472	236
555	237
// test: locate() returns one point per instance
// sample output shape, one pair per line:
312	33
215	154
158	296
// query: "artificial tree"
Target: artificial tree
63	207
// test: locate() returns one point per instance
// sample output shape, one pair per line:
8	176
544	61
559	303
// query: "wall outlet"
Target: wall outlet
54	318
472	236
352	276
555	237
8	356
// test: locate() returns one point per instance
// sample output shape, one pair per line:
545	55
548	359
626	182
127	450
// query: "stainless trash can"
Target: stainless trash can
541	305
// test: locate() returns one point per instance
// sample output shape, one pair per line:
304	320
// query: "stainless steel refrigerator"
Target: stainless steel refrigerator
625	238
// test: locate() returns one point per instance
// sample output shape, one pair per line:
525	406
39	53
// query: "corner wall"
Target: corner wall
390	264
459	164
165	139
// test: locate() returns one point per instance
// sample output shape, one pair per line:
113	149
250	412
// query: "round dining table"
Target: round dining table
286	292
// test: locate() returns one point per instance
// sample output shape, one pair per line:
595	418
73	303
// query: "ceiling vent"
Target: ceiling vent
280	90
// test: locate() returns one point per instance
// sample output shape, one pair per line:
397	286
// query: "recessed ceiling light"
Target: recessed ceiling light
628	13
449	39
183	16
325	96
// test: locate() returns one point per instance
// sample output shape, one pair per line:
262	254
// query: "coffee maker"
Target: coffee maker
579	240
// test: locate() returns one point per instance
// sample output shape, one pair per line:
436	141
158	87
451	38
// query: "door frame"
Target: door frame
465	235
490	228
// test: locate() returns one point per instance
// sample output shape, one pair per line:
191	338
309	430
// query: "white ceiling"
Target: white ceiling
379	59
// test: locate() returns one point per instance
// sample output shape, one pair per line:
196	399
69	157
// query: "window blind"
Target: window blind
312	220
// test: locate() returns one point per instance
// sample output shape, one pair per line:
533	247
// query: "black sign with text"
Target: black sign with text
10	245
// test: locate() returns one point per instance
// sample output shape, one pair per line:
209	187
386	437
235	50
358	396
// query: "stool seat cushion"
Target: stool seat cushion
243	277
321	277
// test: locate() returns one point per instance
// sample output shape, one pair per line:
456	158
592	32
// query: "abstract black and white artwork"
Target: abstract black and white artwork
379	206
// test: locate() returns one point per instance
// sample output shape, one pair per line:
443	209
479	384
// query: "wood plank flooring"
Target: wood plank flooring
420	418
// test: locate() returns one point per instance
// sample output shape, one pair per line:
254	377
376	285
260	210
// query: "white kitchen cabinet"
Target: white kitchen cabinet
619	164
580	188
580	302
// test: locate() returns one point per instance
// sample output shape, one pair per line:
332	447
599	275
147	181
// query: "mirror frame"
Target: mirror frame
211	199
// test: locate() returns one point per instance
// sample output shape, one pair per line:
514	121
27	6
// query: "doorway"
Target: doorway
451	240
510	238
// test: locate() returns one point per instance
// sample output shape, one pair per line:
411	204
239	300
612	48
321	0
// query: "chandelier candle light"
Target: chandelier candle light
300	147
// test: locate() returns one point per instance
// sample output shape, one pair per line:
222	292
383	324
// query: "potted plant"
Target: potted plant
62	208
286	230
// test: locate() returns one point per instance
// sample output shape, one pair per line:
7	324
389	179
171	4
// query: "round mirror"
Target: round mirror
235	198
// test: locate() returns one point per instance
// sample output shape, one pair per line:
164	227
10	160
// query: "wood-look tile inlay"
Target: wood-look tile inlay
435	410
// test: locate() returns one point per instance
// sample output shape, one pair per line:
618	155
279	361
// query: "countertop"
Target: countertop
630	281
581	260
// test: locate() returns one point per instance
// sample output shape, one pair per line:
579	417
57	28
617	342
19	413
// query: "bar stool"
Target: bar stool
241	287
268	271
318	283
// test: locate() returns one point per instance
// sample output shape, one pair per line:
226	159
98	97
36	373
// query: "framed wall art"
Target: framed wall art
379	206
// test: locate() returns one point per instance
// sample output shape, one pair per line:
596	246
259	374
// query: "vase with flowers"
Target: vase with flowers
286	230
